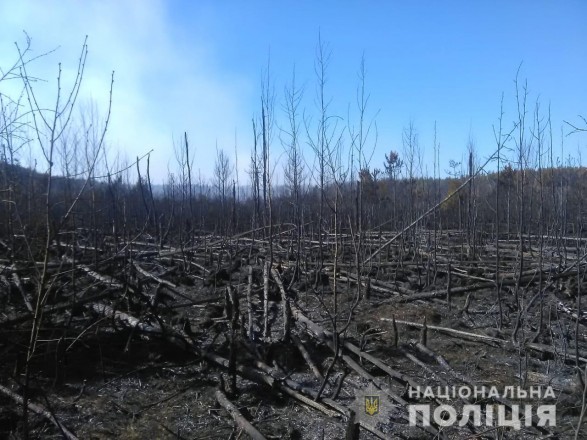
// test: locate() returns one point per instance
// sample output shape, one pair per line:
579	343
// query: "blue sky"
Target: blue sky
197	66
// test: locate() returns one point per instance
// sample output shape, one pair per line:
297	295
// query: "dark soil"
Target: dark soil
103	378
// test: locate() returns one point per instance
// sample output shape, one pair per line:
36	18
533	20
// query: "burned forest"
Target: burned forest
328	294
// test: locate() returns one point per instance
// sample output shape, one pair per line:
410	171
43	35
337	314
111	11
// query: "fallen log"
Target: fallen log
510	281
307	357
543	348
484	338
47	310
105	279
285	305
154	277
429	211
265	375
442	362
125	318
284	385
563	308
40	410
467	380
18	284
238	418
326	337
450	331
182	340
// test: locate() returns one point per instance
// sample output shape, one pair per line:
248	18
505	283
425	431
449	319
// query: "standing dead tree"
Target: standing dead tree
522	147
359	136
254	175
222	174
322	142
500	139
49	126
430	210
294	168
14	138
392	167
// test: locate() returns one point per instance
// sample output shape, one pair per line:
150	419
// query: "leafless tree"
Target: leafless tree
392	167
471	199
539	135
359	137
522	148
411	147
255	177
267	122
184	158
294	168
323	140
49	126
500	137
222	175
576	128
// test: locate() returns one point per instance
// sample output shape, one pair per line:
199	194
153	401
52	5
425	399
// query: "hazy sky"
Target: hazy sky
197	66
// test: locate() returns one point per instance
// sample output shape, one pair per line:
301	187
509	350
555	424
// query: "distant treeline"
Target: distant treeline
553	198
